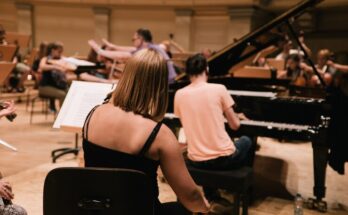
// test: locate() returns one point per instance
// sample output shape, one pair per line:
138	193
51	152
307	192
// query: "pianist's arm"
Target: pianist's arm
232	119
227	106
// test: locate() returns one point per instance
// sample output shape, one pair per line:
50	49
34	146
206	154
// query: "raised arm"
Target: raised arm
117	47
340	67
176	46
116	55
175	171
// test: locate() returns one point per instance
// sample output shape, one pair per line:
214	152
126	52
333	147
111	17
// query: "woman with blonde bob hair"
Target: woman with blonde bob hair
127	133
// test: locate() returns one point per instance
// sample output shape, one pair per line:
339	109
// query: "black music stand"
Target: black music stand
57	153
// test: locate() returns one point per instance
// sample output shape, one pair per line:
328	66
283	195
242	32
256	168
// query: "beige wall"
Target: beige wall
212	26
210	32
125	21
8	15
73	26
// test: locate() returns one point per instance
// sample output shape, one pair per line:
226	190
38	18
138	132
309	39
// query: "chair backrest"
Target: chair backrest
100	191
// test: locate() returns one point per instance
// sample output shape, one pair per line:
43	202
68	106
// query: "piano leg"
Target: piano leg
320	158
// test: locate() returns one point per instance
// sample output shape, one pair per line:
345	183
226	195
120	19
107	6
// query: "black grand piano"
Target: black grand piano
275	107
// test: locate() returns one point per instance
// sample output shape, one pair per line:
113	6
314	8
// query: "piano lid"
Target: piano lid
256	41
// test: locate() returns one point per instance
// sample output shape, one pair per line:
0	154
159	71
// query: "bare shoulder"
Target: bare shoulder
165	137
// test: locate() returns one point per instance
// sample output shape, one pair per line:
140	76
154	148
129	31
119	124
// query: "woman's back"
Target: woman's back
121	143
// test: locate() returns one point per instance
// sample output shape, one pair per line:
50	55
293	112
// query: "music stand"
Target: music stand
7	52
19	39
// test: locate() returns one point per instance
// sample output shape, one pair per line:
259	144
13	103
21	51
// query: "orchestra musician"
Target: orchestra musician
53	83
202	108
296	71
2	36
142	38
137	139
326	70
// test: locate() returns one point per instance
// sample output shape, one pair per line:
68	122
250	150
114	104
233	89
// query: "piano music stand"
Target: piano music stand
7	52
277	64
253	72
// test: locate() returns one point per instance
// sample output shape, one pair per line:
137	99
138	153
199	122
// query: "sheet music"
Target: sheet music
77	62
81	98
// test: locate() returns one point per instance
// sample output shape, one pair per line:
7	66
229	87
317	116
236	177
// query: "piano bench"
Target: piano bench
238	181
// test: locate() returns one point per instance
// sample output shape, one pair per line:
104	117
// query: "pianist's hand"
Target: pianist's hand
9	108
242	116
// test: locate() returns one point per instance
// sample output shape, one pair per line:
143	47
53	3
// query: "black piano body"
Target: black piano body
276	108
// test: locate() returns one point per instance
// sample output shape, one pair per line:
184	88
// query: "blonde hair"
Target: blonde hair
325	53
143	88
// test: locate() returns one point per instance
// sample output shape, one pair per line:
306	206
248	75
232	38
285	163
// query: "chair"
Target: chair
238	181
86	191
45	106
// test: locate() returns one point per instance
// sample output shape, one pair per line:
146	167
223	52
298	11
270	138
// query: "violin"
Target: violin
10	117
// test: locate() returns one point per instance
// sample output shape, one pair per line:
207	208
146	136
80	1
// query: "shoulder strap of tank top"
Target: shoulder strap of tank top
150	139
86	124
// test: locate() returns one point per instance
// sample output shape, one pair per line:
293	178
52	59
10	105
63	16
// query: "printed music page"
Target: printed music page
81	98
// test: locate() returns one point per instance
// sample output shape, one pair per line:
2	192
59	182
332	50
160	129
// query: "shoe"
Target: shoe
20	89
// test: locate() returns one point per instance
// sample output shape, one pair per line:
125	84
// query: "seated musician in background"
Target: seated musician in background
36	64
53	83
202	108
326	71
19	74
295	71
142	38
127	133
2	36
15	81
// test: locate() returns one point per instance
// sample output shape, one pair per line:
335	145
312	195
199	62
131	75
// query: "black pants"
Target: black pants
238	159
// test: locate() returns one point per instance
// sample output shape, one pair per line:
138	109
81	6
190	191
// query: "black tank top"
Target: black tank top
99	156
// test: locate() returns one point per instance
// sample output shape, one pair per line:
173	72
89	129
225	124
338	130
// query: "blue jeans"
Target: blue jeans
238	159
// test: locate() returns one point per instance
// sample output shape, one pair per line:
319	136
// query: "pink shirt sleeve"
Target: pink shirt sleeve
226	99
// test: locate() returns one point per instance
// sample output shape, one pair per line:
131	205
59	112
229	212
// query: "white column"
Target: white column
102	23
183	22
